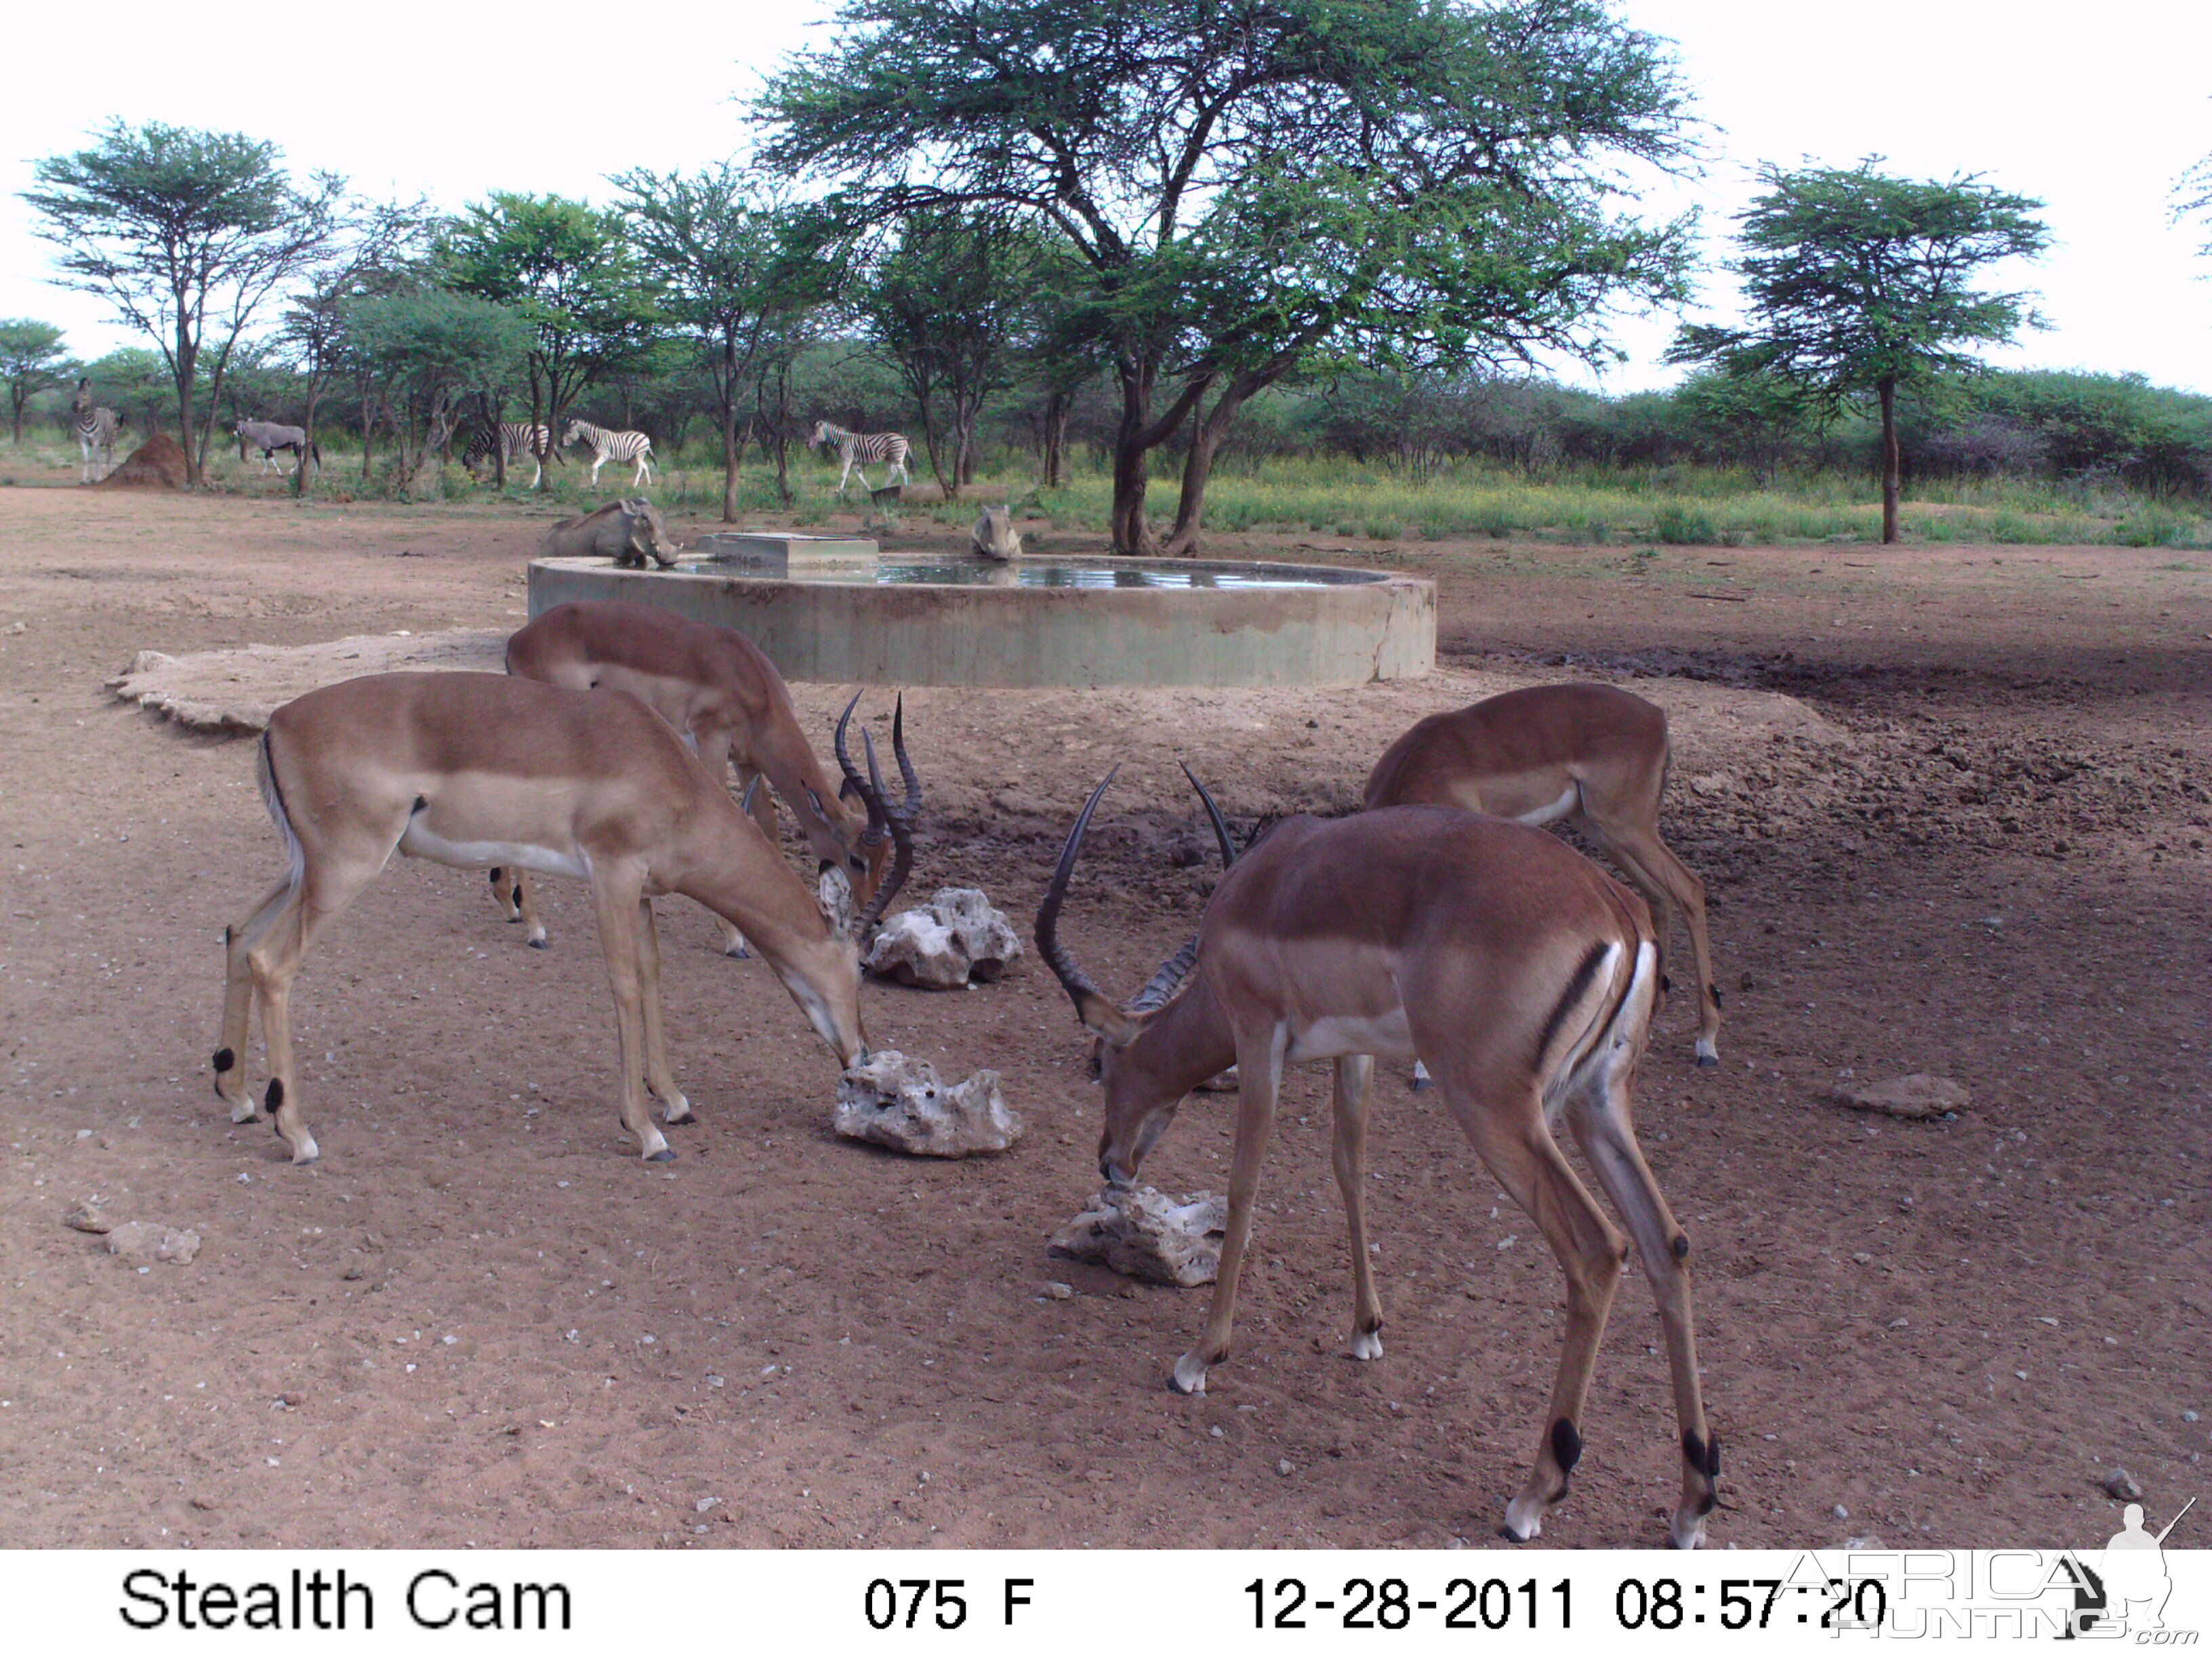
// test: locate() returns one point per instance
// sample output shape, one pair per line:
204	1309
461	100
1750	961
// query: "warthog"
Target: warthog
993	535
628	532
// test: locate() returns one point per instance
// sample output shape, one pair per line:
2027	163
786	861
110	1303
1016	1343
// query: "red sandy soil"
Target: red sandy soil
1973	844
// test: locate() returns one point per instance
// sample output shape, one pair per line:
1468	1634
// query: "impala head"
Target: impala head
888	837
1144	1080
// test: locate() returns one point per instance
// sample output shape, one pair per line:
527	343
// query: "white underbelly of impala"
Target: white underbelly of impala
422	843
1384	1036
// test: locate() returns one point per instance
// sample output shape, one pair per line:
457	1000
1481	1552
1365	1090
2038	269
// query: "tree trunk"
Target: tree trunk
1130	472
187	365
1056	435
1206	434
729	413
307	442
538	419
1889	467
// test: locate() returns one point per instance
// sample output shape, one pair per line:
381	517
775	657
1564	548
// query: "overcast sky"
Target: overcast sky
2095	110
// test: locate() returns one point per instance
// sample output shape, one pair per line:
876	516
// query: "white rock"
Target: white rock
149	1240
1144	1234
902	1104
954	940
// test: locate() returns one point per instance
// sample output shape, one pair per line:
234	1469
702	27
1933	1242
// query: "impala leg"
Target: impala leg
238	1001
660	1077
1355	1075
1259	1071
1666	881
272	962
1516	1145
510	889
618	938
1599	1118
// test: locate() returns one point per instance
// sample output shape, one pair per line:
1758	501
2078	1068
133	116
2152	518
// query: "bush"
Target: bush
1680	525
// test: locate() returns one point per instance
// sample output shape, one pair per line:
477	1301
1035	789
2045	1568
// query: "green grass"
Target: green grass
1342	500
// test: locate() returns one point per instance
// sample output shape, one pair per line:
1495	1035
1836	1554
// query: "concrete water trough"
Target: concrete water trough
824	610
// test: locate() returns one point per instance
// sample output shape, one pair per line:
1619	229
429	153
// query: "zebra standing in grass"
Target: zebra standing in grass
516	438
859	450
95	432
612	447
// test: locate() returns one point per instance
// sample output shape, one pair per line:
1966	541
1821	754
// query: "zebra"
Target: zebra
612	447
515	439
95	431
859	449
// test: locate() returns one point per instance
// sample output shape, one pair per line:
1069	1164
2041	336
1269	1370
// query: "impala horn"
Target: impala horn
883	818
1088	998
1163	984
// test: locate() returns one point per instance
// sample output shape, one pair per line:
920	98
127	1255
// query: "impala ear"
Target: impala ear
834	893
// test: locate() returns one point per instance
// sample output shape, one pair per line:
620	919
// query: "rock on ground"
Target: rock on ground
902	1104
1144	1234
236	691
954	940
1919	1094
149	1240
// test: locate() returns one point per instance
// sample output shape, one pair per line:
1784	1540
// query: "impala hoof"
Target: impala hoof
306	1151
1519	1527
739	953
1367	1345
678	1111
244	1111
1709	1059
1188	1375
665	1155
1687	1536
538	944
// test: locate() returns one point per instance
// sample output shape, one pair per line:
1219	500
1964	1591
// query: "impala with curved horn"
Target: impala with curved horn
472	769
1594	755
1521	974
725	699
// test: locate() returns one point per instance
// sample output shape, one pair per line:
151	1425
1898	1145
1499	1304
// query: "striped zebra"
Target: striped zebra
612	447
858	450
95	432
517	438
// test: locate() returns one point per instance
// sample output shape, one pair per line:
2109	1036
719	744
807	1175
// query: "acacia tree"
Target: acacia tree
946	305
379	253
567	270
432	353
1857	284
31	360
1251	184
186	234
733	258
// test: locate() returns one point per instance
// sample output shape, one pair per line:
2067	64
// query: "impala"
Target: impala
1594	755
469	769
725	698
1516	968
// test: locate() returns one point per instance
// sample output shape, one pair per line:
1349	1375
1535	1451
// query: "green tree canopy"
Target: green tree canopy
1857	284
734	260
432	352
31	360
186	233
1249	185
947	305
568	270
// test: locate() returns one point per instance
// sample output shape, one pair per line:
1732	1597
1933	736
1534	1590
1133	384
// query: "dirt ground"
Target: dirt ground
1952	807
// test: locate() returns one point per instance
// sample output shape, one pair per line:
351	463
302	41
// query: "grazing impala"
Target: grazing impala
1522	975
1594	755
725	698
469	769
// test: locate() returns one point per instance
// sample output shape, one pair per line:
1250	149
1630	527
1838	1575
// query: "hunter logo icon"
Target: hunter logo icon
2128	1589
